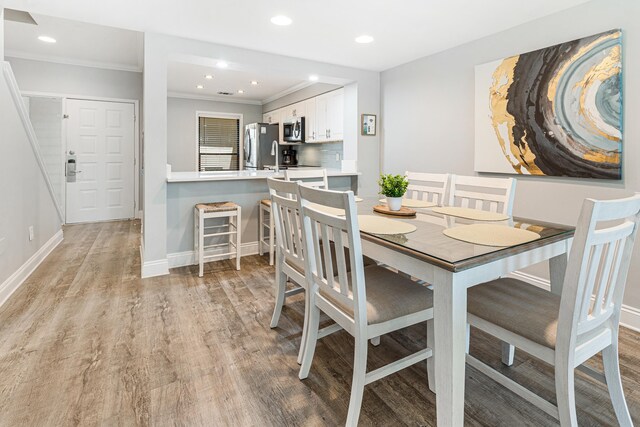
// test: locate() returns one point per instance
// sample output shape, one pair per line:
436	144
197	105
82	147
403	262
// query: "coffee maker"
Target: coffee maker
289	157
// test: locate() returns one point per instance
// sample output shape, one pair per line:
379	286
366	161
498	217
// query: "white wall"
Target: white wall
24	197
46	117
428	113
181	127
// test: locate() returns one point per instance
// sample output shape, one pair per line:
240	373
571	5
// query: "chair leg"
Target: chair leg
195	235
281	287
261	230
311	339
271	238
375	341
238	238
358	382
614	384
305	322
565	392
431	362
508	353
201	244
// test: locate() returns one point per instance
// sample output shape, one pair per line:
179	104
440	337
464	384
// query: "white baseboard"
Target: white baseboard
139	214
155	268
629	316
16	279
181	259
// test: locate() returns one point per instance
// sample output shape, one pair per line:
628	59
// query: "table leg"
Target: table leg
450	323
557	269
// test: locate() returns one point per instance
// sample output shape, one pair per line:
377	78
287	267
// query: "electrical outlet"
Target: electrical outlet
31	233
337	157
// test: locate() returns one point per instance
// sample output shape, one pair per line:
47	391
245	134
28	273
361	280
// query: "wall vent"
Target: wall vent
225	93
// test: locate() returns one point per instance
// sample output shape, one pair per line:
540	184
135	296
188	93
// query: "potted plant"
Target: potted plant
393	188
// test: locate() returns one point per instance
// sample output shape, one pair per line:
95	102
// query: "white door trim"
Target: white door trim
136	141
217	115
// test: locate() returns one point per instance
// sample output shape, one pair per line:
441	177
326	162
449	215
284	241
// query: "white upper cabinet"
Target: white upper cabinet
330	116
310	131
323	115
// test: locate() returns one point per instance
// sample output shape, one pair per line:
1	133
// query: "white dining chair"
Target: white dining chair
365	302
488	194
316	178
432	187
566	330
290	265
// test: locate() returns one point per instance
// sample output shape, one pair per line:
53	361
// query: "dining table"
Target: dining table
452	266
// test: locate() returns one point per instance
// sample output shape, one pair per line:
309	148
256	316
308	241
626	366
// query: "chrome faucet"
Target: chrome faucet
274	152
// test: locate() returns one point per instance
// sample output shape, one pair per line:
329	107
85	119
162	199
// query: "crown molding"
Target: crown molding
285	92
183	95
68	61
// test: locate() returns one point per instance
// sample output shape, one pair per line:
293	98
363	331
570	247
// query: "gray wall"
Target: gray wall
181	127
428	113
299	95
25	199
50	77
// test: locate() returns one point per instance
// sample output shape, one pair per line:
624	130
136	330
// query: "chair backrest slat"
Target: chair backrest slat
311	177
489	194
598	265
347	288
431	187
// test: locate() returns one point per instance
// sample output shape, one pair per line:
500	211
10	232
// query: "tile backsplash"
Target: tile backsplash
327	155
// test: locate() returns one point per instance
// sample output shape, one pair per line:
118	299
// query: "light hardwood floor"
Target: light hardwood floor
85	341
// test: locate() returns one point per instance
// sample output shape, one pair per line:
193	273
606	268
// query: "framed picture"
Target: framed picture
368	125
556	111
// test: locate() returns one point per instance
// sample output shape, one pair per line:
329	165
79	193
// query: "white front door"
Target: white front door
101	135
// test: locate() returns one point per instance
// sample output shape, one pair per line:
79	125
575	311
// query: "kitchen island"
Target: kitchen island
245	188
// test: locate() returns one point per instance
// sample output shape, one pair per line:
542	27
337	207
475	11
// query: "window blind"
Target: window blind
218	144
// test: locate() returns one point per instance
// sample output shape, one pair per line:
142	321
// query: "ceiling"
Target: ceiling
76	43
183	78
323	31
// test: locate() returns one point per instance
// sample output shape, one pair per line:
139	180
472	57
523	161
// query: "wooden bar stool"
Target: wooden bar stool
266	222
204	211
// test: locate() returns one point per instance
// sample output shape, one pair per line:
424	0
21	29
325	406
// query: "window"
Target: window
218	141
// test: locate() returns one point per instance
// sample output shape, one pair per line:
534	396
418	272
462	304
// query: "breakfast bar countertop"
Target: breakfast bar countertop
239	175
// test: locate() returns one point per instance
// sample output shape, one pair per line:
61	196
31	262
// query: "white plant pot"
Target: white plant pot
394	203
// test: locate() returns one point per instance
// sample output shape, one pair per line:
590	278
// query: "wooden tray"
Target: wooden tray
404	211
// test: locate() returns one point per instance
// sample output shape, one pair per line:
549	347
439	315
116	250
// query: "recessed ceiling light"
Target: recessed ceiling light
240	91
253	82
313	78
222	64
47	39
208	77
364	39
199	87
281	20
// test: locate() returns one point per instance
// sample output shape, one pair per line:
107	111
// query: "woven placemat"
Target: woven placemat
413	203
380	225
468	213
491	235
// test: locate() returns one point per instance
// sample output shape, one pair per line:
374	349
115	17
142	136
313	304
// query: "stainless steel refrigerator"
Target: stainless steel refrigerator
260	146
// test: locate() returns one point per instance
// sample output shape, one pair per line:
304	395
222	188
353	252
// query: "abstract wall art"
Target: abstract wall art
556	111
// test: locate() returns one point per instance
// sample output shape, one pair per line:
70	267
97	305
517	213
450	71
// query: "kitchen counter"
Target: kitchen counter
241	175
246	188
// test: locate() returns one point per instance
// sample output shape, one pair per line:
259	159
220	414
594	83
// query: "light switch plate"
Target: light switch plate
31	234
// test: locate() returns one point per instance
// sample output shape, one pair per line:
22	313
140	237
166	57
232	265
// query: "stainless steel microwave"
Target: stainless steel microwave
293	129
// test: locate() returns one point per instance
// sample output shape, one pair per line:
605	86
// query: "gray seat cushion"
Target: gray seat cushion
389	296
518	307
